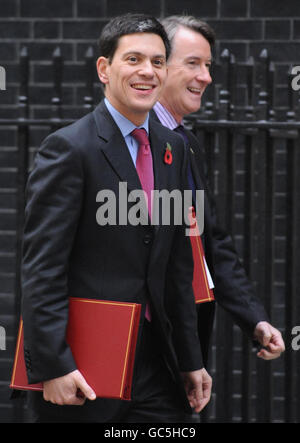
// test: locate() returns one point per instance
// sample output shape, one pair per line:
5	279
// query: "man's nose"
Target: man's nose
147	69
204	75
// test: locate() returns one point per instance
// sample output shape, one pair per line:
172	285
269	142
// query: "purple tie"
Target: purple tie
144	164
144	167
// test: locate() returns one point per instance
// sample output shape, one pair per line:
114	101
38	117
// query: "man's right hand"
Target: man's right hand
64	390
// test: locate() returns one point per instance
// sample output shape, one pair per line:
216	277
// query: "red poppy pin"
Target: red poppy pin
168	158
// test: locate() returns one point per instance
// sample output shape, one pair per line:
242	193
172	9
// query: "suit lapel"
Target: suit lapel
192	152
117	154
115	149
157	149
195	160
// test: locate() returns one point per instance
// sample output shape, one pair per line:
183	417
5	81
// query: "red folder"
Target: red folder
202	291
102	336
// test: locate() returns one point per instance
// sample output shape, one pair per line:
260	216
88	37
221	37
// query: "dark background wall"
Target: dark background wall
245	27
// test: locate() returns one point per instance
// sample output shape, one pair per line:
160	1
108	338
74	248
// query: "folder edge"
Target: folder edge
199	249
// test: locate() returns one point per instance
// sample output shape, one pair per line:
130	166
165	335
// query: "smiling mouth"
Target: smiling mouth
194	90
142	87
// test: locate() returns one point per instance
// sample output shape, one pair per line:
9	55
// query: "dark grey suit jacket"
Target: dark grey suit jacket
67	253
233	290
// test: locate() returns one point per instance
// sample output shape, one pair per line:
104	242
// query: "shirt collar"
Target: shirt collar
125	125
165	116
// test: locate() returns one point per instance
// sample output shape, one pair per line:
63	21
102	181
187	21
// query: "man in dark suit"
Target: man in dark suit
188	76
68	252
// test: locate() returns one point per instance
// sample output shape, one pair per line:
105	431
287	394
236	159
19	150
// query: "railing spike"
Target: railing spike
24	83
264	54
90	52
57	80
24	52
57	52
225	53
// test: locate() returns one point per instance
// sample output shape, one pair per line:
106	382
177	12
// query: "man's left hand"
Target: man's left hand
271	340
198	386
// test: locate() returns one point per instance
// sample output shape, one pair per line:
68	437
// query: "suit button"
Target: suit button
147	239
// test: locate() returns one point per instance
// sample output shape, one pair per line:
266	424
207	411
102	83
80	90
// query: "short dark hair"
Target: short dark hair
174	22
129	24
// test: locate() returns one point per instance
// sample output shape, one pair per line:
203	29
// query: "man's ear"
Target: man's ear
102	66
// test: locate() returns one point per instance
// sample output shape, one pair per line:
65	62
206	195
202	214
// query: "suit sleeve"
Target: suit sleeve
180	296
54	195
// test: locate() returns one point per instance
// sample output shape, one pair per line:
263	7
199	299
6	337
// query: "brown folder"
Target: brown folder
102	336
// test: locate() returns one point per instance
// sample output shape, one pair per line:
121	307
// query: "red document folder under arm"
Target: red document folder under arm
102	336
202	291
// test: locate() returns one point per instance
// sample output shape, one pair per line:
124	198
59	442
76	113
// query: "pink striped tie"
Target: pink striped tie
144	167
